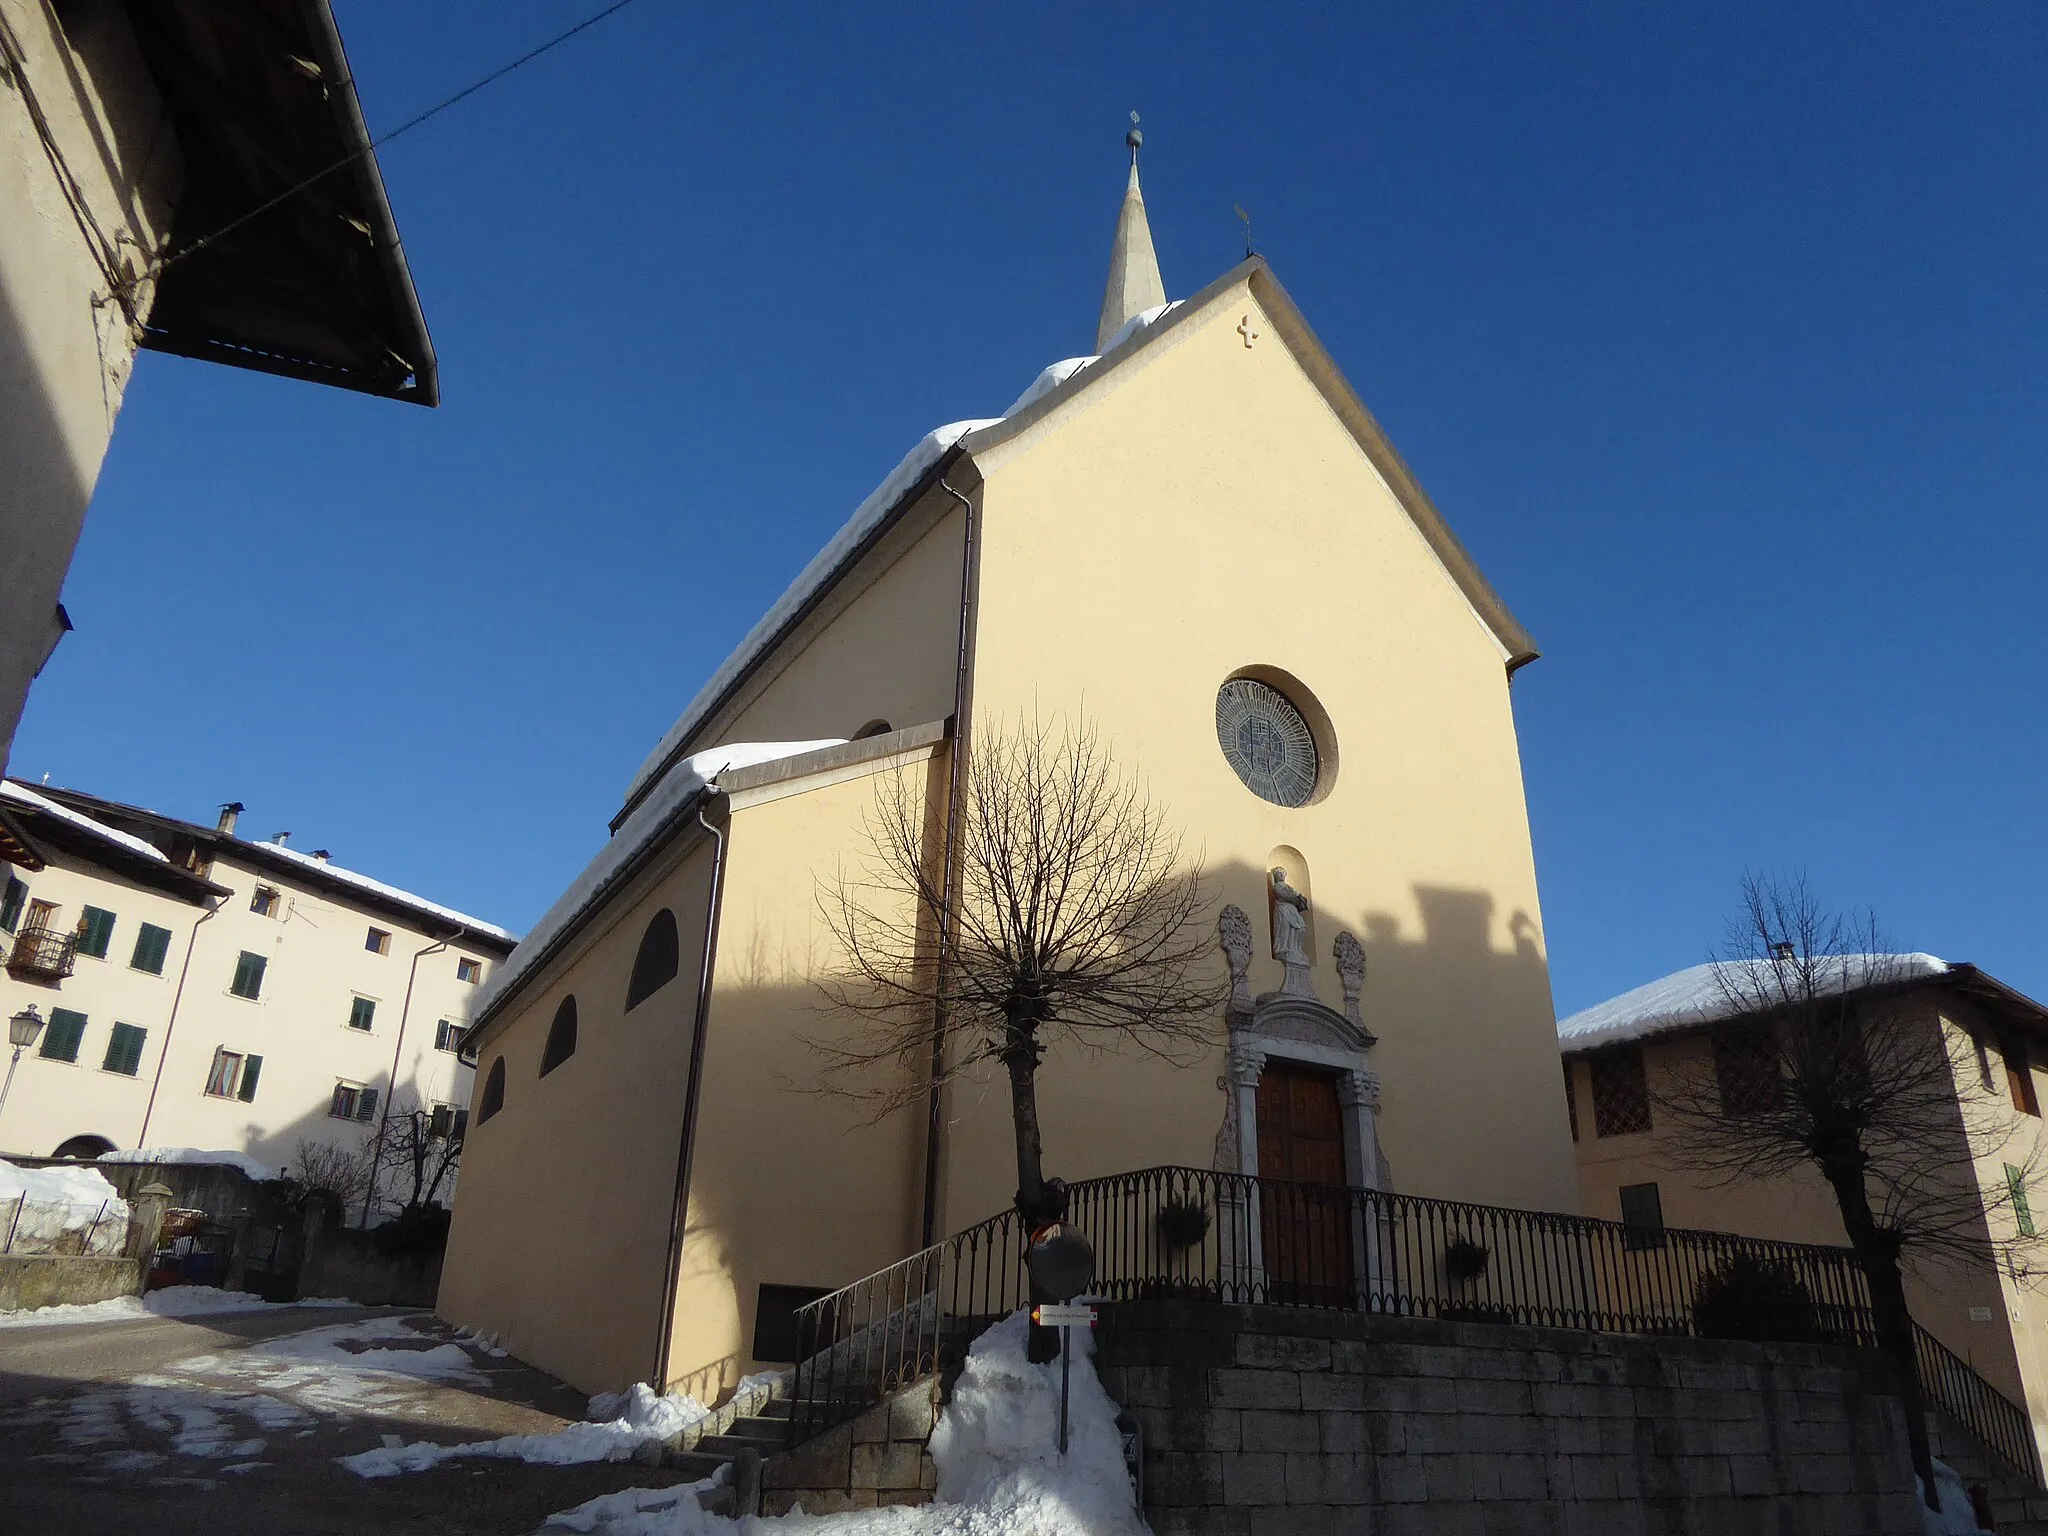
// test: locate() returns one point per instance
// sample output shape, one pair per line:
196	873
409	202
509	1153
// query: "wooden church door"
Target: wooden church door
1305	1223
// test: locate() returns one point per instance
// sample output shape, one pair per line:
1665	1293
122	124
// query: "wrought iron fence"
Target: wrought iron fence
58	1226
1167	1233
44	953
2002	1425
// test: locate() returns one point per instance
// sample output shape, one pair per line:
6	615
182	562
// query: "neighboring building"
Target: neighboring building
1621	1056
1202	537
134	130
202	990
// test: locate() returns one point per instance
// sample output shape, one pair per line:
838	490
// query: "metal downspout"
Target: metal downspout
934	1099
163	1055
687	1144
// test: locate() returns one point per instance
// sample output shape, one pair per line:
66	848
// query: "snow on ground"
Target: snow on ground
1696	995
999	1474
175	1301
242	1160
1955	1517
641	1418
38	1206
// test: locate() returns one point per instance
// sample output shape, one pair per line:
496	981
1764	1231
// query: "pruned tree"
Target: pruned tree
1830	1060
1068	914
419	1147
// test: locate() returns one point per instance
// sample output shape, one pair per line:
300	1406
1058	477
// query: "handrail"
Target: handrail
2002	1426
1176	1232
46	952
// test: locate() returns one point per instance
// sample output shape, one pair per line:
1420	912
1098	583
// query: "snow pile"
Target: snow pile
173	1301
677	787
999	1471
21	794
72	1210
636	1417
1696	995
1955	1517
194	1155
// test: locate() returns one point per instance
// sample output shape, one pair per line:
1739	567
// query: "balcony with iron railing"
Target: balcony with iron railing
1194	1234
42	954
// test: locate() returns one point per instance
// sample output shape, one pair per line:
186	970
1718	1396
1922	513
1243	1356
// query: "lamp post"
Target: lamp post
22	1030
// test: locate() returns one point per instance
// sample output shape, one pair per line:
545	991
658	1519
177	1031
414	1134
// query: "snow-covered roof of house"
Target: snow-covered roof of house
1706	994
672	795
21	794
392	893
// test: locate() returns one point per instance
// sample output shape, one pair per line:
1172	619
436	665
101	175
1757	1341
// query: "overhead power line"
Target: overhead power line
385	138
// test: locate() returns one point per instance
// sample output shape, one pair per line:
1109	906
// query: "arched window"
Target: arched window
873	728
655	966
83	1147
561	1036
494	1092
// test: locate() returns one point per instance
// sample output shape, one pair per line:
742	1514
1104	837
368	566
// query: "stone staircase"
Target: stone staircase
2017	1508
731	1445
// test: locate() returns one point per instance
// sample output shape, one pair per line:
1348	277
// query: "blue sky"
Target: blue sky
1717	332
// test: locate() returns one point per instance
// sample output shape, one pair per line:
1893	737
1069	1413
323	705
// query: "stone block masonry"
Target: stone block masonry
1285	1420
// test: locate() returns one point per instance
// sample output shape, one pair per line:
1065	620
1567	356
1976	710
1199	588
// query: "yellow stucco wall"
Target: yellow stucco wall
789	1187
559	1244
2004	1343
1200	512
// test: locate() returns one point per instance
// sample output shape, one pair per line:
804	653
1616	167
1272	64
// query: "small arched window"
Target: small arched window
654	967
873	728
84	1147
561	1036
494	1092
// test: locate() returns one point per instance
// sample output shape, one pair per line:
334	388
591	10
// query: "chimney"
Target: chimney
280	838
228	813
322	855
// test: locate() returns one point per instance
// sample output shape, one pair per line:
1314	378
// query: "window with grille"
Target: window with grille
1621	1094
95	931
152	944
124	1050
1746	1069
60	1040
248	980
361	1012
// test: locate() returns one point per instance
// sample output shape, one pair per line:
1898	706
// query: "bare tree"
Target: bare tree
1833	1062
338	1169
1069	915
421	1147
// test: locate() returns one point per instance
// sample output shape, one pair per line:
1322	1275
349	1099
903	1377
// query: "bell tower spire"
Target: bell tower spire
1134	284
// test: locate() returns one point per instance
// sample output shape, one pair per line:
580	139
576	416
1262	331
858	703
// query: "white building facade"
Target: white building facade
203	990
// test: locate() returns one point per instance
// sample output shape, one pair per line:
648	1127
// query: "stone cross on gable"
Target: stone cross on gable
1247	330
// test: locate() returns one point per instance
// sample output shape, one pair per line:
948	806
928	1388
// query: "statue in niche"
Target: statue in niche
1290	922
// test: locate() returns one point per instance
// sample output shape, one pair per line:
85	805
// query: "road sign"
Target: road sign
1049	1315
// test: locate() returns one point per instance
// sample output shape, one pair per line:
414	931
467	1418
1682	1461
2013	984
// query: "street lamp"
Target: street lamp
22	1030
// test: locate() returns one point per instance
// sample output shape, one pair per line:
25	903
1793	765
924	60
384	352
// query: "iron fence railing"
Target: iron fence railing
1168	1233
43	952
56	1226
1953	1385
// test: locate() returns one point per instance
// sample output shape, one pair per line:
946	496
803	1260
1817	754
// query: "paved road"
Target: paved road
188	1427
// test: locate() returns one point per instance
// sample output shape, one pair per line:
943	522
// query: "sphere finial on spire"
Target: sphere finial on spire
1135	138
1134	285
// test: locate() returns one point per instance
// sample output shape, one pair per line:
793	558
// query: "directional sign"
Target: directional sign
1048	1315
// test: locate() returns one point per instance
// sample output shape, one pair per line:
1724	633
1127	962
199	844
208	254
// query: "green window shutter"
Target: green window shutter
366	1104
12	903
60	1039
251	1067
2016	1187
152	944
360	1012
95	931
124	1050
248	980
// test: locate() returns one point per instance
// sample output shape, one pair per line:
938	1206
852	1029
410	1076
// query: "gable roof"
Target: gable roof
934	455
52	824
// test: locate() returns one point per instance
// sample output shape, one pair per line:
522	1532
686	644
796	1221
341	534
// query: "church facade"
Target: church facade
1200	538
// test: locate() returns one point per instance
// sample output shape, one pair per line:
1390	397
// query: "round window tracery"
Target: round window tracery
1267	741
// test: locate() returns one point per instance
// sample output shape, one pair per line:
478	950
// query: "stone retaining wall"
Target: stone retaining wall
56	1280
879	1458
1272	1419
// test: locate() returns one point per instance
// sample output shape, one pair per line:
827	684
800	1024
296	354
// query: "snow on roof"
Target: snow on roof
1695	995
388	892
674	790
189	1156
21	794
866	518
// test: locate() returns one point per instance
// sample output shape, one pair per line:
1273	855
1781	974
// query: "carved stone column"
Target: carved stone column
1234	932
1350	957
